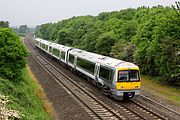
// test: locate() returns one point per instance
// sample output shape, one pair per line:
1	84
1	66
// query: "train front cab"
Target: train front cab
127	83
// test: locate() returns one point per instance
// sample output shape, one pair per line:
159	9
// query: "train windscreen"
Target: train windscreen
128	75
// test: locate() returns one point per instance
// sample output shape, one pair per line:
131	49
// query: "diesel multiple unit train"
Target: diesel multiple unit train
116	78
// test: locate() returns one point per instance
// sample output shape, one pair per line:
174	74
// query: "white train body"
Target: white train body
117	78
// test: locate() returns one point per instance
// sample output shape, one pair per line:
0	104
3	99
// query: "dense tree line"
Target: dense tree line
22	30
149	37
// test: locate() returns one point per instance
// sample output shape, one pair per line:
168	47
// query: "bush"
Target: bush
12	54
174	79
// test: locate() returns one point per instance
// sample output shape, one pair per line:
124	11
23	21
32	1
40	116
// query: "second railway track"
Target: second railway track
97	108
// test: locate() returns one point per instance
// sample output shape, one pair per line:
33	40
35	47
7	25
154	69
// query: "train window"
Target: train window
50	49
134	75
86	65
123	75
62	55
46	47
56	52
106	73
37	43
43	46
71	58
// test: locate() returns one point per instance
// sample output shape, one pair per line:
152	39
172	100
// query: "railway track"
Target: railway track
95	107
158	104
158	107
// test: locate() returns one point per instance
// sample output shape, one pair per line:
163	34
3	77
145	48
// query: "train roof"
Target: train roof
60	47
54	45
115	63
43	41
86	55
103	60
38	39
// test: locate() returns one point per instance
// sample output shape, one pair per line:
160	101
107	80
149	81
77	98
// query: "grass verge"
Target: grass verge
27	97
152	86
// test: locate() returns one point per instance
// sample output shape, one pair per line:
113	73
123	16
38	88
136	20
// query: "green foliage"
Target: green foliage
4	24
89	41
23	30
157	42
173	79
123	51
128	30
23	98
125	15
12	55
104	43
146	36
43	31
14	79
63	37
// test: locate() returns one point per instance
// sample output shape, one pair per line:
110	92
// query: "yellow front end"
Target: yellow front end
127	85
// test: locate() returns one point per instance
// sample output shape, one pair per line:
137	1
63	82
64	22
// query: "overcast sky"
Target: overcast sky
35	12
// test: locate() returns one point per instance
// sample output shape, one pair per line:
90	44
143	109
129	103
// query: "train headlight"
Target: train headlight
136	86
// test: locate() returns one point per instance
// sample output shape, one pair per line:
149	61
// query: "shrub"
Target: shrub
12	54
174	79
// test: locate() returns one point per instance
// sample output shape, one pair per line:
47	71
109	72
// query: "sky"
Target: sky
36	12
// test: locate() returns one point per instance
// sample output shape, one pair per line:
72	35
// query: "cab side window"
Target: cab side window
106	73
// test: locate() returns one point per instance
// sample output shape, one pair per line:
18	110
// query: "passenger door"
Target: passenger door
97	71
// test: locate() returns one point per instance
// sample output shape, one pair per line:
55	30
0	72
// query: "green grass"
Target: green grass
153	86
27	97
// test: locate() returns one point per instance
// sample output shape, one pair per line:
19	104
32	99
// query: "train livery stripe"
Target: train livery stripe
128	68
127	85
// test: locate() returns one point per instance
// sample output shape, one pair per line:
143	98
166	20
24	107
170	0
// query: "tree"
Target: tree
4	24
104	43
128	30
63	37
12	54
89	41
155	40
177	8
23	29
123	51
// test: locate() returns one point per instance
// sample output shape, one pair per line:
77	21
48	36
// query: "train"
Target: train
116	78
